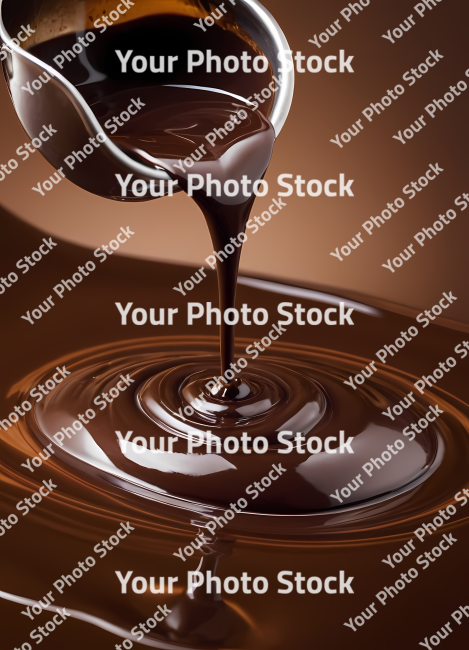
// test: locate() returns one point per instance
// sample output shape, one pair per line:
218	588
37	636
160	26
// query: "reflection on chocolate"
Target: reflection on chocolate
98	71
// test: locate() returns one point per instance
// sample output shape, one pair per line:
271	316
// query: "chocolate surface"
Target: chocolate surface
168	499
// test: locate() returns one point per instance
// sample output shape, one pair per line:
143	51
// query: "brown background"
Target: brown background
296	244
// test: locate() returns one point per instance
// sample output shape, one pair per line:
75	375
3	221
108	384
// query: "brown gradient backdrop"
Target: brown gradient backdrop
296	244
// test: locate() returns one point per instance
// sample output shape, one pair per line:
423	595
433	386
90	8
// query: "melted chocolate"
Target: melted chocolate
304	396
174	122
295	386
90	503
263	400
